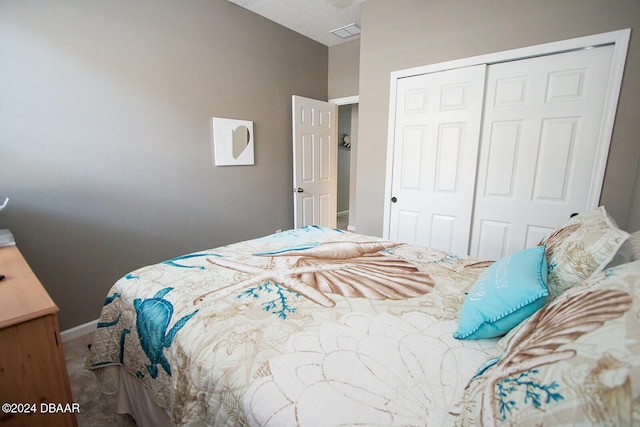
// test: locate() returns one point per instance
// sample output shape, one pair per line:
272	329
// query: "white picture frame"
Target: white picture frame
232	142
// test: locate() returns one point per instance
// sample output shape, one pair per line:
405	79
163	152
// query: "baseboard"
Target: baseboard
79	330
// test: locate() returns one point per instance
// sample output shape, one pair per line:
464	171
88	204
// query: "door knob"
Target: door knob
298	190
394	199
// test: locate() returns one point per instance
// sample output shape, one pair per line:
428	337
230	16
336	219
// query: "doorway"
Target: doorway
347	147
344	164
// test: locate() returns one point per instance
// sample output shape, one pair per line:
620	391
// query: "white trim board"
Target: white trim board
619	39
346	100
78	331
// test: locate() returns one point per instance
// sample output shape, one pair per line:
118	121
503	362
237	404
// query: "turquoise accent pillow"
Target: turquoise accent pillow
505	294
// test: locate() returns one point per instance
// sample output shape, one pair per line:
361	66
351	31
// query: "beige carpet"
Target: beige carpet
96	408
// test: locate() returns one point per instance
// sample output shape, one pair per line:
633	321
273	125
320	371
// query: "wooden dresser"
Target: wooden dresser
33	373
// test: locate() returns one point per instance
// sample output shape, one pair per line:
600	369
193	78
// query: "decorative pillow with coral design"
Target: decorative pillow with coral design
574	362
581	247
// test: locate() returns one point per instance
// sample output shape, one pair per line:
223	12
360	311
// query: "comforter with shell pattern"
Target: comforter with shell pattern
301	327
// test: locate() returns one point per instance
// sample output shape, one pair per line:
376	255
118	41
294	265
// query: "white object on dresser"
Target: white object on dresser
6	238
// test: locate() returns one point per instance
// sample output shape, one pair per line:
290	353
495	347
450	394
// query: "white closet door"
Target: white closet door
542	124
436	136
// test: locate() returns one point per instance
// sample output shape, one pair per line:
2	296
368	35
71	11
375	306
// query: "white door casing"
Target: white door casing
437	130
541	128
315	154
618	40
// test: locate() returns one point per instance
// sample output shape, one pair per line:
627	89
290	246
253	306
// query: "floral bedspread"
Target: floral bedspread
305	327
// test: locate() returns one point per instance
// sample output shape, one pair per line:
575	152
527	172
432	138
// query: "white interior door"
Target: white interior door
542	125
315	162
436	136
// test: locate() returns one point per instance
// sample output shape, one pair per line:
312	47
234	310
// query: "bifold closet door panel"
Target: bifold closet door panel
540	137
436	134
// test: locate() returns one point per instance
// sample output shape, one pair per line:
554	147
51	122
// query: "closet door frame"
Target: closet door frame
620	41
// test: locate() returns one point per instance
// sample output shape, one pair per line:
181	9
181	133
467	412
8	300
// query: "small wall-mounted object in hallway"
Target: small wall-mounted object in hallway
232	142
345	142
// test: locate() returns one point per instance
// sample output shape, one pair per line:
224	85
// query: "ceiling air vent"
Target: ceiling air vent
347	31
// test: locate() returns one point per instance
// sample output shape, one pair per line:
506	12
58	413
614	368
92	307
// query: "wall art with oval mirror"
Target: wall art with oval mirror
232	142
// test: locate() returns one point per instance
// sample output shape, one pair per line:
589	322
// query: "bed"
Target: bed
318	326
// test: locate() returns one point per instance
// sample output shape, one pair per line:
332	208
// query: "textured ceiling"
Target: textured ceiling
312	18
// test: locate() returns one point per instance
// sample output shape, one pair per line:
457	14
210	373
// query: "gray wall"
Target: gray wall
105	134
344	67
409	33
